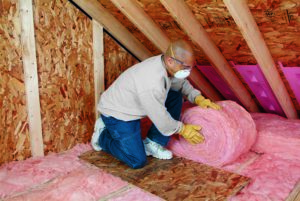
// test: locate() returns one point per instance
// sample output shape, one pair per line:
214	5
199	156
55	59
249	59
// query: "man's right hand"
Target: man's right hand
191	133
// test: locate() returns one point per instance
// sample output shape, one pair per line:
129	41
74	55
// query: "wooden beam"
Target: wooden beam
98	51
152	31
246	23
143	22
114	27
31	77
184	16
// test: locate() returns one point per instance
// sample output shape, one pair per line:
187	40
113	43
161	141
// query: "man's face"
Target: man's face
185	63
188	62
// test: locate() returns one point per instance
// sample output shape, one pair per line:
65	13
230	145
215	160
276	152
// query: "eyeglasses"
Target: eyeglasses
185	67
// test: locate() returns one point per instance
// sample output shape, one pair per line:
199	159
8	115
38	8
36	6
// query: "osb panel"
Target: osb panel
279	21
116	60
176	179
14	135
217	21
131	27
65	67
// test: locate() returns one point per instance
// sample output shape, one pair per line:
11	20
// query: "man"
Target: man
153	88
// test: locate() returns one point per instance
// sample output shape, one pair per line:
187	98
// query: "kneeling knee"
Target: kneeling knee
139	164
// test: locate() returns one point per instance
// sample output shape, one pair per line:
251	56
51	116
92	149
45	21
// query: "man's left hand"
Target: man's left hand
206	103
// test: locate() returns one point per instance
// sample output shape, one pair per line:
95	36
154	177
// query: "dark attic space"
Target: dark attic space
145	100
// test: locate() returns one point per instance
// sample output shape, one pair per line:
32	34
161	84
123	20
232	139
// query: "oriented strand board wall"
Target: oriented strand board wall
65	69
65	66
116	60
14	134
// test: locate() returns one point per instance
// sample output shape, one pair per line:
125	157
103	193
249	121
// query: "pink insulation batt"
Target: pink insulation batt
22	175
272	178
228	133
277	135
85	184
64	177
81	184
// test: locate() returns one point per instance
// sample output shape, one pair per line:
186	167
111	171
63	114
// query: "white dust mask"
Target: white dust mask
182	74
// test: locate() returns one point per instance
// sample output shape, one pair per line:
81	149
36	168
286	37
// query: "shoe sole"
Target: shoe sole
155	156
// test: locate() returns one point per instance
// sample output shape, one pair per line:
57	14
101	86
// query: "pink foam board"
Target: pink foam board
260	87
211	74
292	75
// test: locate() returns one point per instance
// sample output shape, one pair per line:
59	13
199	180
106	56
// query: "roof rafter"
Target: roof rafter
247	25
184	16
140	19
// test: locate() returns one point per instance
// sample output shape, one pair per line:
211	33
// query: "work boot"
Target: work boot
99	127
156	150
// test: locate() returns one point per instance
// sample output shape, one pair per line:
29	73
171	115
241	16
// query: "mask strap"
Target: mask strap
173	55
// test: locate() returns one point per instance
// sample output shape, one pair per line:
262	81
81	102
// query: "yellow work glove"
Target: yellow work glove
191	133
206	103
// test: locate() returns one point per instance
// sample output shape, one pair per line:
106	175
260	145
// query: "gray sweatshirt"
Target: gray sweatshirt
141	91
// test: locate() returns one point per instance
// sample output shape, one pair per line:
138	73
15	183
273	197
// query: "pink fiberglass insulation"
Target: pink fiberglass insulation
228	133
21	175
84	183
277	135
63	177
87	185
242	162
272	179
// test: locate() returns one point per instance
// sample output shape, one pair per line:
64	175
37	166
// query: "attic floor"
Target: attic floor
83	174
63	176
176	179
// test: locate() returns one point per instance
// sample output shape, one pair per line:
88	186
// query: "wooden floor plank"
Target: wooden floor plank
176	179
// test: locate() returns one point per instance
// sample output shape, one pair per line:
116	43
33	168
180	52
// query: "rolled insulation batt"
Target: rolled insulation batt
228	133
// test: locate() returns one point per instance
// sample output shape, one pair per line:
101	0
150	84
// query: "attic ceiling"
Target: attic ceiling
275	39
278	20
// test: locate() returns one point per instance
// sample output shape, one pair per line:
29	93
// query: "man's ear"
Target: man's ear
169	61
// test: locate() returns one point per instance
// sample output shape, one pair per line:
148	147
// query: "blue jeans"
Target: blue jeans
123	139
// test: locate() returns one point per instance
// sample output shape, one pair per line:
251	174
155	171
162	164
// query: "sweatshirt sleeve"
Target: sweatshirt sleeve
189	91
153	103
